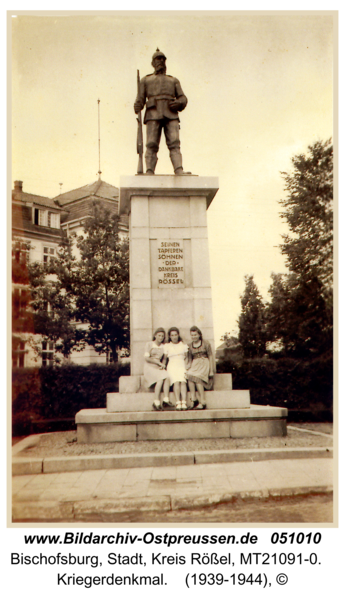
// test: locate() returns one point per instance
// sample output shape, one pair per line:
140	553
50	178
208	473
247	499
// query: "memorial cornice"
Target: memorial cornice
165	185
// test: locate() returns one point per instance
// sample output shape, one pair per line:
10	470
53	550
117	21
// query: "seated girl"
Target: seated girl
154	370
200	368
175	352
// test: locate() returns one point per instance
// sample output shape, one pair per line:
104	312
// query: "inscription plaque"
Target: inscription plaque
170	264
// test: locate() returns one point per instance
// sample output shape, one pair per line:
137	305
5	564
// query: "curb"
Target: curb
106	511
30	466
28	442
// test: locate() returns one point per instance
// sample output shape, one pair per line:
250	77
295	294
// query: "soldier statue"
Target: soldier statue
164	100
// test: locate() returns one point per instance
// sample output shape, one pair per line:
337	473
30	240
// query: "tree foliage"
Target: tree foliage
102	293
251	322
299	316
309	214
86	300
53	287
300	311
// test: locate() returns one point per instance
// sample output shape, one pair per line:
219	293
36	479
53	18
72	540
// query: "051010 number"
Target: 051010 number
299	538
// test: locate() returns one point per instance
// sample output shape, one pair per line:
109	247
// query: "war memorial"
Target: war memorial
170	286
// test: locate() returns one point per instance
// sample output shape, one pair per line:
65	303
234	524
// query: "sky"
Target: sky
259	89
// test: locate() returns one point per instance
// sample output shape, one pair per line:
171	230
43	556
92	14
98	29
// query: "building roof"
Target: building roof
98	189
80	209
20	196
22	224
74	205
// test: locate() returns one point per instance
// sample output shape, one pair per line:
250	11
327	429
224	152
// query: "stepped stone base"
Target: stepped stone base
129	416
142	401
132	384
100	425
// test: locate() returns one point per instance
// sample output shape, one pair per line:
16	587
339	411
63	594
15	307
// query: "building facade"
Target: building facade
39	225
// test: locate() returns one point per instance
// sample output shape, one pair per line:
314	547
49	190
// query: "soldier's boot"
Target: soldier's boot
176	159
151	161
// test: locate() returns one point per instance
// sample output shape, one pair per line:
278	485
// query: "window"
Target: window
40	217
47	307
54	220
48	254
46	218
47	354
20	252
20	300
18	356
109	357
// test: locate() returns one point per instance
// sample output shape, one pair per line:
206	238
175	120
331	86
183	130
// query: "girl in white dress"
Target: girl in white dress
175	352
154	369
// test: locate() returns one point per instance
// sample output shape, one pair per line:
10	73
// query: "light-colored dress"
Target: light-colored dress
201	368
176	366
152	372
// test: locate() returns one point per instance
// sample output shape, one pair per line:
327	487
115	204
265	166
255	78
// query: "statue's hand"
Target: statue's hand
137	107
175	105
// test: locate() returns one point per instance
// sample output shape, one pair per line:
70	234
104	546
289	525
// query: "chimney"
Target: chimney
18	186
18	190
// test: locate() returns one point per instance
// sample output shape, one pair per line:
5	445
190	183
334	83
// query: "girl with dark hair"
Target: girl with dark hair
154	370
175	352
200	367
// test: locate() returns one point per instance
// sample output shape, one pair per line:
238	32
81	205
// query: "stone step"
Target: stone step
98	425
142	401
136	383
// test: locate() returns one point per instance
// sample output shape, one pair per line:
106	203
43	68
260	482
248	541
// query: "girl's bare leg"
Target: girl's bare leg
158	389
166	390
201	391
166	387
191	386
201	403
184	395
177	393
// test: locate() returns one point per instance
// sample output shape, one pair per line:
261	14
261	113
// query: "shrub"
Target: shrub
58	393
304	387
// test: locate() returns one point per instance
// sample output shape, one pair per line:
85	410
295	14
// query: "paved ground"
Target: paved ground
64	443
310	508
267	491
103	495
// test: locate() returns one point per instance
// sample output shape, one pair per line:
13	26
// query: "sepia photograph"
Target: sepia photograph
172	267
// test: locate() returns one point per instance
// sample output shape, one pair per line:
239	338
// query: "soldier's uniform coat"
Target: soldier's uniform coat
158	90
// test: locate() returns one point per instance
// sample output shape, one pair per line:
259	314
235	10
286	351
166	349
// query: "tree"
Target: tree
231	341
101	287
300	312
297	316
251	322
86	300
309	214
53	287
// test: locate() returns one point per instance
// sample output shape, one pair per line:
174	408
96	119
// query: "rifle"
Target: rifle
140	143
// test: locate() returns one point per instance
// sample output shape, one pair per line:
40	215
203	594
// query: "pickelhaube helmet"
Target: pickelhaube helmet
158	53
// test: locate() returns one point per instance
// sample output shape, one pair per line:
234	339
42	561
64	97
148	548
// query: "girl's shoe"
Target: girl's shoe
167	402
178	405
184	405
199	406
156	405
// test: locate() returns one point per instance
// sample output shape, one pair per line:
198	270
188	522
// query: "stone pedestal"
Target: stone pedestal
170	282
170	285
99	425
